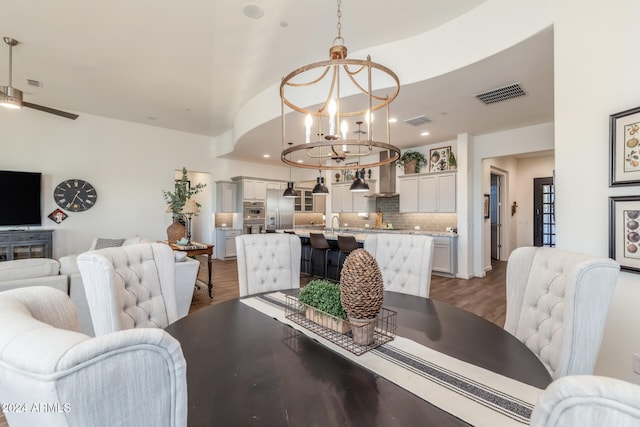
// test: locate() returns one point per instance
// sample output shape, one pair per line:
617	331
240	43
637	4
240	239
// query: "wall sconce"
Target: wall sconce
514	206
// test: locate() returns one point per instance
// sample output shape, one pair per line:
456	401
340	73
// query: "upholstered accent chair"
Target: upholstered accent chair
267	262
405	261
130	286
557	303
54	375
186	274
588	401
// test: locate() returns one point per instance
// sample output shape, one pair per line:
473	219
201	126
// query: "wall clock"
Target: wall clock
75	195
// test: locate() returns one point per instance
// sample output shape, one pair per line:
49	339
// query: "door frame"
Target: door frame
504	234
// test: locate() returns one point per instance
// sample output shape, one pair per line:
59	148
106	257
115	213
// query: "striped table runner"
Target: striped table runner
476	395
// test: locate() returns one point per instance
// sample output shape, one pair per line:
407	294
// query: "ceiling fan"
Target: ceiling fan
11	97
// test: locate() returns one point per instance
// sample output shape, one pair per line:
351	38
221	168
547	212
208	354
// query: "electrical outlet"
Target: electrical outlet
636	363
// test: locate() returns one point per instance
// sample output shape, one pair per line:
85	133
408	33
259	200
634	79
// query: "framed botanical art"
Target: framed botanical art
624	136
624	231
486	206
439	159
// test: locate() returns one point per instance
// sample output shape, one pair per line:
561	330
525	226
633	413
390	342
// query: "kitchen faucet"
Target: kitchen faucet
332	218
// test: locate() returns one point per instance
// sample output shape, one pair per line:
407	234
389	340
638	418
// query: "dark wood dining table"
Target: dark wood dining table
245	368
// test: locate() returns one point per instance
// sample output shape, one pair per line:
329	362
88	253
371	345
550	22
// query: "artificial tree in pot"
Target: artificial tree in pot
176	201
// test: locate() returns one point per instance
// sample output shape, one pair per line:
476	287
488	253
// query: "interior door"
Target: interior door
544	221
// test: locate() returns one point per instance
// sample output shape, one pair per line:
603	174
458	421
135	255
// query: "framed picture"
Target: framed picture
624	231
350	174
486	206
439	159
624	135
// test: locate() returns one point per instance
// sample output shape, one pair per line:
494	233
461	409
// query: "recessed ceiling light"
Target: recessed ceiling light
299	161
424	133
266	156
253	11
284	24
393	120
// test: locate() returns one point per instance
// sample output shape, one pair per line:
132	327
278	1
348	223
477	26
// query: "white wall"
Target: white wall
595	76
129	164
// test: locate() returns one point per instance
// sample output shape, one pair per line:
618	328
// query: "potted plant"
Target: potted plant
412	161
176	201
452	161
324	307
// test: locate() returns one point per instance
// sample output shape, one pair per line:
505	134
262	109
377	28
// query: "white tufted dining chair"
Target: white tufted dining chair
405	261
53	375
267	262
588	401
130	286
557	303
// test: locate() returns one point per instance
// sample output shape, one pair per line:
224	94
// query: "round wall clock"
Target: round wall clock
75	195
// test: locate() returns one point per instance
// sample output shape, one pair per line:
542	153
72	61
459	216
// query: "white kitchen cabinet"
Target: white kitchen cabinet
445	256
428	193
225	197
226	243
437	193
345	200
341	197
273	185
408	186
254	190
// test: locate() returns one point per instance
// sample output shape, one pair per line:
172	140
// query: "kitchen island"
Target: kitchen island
445	259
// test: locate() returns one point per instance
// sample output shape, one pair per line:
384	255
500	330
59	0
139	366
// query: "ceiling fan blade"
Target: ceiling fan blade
50	110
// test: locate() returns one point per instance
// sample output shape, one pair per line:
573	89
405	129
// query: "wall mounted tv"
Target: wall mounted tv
20	193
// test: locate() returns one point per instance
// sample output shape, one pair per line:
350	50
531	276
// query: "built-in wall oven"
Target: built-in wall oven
253	217
252	210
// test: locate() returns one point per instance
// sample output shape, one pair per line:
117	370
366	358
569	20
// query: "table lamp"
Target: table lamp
189	209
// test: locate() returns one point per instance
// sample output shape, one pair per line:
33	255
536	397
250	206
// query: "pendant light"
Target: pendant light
320	189
359	185
290	192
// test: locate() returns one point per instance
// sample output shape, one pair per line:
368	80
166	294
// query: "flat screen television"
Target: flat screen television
20	196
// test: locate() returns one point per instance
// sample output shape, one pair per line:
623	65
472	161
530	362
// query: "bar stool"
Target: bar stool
346	244
319	242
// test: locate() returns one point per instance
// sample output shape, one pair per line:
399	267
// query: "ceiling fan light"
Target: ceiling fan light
10	97
290	192
320	189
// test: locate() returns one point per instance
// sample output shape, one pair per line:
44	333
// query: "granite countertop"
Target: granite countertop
362	233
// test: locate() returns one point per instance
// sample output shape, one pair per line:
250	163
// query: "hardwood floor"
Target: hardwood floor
484	296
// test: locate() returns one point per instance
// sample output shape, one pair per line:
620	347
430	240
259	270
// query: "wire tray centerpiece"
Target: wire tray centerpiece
340	331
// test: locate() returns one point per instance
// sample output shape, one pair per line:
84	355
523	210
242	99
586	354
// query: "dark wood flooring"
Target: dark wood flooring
484	296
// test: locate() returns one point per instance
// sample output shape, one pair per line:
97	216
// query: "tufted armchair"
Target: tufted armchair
186	274
405	261
587	400
51	375
557	303
130	287
267	262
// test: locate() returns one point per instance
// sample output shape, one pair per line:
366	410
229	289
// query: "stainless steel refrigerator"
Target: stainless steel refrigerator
279	211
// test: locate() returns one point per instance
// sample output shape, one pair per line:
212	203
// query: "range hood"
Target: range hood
387	180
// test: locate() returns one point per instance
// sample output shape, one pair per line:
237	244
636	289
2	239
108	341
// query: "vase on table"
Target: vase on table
175	231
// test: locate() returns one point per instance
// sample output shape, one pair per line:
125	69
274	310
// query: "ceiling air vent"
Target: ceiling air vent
417	121
35	83
501	94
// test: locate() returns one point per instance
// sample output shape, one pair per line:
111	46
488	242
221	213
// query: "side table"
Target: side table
198	249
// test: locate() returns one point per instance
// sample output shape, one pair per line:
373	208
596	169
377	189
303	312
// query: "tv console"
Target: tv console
23	244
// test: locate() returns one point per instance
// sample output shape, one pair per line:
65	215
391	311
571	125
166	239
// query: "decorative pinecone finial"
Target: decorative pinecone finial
361	286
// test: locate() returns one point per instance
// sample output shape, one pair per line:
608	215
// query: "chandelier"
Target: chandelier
318	135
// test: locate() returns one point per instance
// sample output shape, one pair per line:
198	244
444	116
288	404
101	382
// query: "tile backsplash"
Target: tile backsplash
389	207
